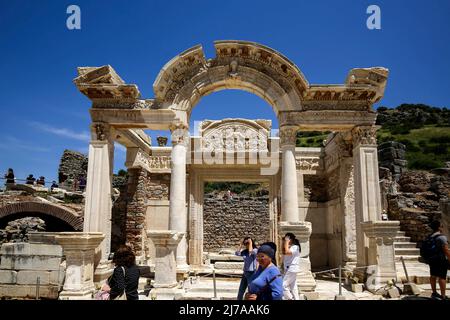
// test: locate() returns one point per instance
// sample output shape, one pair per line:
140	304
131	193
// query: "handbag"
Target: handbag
123	296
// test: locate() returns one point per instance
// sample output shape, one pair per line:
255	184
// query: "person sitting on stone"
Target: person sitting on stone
41	181
10	176
54	185
30	179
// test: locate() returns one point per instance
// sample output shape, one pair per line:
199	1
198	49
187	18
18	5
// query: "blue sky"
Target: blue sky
43	113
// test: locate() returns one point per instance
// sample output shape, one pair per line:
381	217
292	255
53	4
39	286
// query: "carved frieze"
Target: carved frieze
235	135
123	104
308	164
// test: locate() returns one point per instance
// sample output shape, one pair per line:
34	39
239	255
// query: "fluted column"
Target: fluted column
289	197
177	206
98	205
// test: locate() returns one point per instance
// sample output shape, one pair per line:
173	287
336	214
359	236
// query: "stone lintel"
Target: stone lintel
154	119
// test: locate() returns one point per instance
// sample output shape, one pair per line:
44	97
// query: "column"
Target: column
98	204
290	218
289	198
79	249
177	205
367	188
166	242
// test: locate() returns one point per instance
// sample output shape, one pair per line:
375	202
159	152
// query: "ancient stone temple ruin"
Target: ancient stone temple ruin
328	196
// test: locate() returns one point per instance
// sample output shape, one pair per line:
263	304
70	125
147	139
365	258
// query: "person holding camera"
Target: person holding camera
250	265
291	263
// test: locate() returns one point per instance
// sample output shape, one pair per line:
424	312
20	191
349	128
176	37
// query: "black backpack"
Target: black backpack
431	250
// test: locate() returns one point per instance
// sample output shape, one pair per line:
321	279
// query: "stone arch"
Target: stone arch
68	216
242	65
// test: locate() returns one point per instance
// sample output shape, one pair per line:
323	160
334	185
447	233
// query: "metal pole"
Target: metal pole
38	282
404	268
214	282
340	280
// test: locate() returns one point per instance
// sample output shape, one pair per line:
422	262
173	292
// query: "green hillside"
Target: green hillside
423	129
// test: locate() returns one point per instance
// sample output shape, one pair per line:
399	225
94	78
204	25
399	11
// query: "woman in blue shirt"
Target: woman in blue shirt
266	283
249	255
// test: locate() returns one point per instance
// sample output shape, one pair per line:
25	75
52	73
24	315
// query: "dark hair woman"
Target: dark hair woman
249	255
291	263
125	277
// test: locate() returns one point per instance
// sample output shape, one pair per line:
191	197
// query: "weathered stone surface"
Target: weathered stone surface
72	166
17	230
228	221
414	181
8	276
31	277
31	249
28	291
29	262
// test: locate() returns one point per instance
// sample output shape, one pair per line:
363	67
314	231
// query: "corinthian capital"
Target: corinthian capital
180	133
288	135
364	135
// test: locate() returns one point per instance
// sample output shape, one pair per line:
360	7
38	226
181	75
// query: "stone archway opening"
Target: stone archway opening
52	224
232	211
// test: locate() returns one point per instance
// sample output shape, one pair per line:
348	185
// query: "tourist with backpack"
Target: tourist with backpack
250	265
435	253
291	264
266	283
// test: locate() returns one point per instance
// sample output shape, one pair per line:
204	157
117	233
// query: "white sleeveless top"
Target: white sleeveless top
292	262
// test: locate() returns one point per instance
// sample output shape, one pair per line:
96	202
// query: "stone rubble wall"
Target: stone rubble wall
417	202
391	155
142	186
227	222
21	265
73	164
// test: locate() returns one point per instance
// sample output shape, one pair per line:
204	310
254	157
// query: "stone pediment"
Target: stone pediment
235	134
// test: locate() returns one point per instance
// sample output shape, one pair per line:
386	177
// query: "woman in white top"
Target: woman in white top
291	263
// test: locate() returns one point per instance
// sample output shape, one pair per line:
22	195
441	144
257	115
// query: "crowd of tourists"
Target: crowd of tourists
262	278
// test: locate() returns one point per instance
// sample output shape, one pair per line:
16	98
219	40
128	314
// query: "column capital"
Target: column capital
364	135
301	229
288	135
101	131
165	237
180	133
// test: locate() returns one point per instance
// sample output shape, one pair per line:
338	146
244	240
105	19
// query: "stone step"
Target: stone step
402	239
401	233
406	251
413	257
404	245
